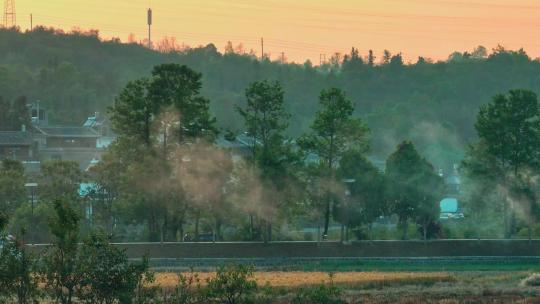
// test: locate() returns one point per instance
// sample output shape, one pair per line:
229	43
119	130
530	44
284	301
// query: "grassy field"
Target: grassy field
397	287
297	279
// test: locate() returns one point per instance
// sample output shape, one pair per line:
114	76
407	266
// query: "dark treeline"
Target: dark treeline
169	176
432	103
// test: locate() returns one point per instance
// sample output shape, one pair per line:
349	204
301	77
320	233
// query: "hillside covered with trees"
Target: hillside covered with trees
433	104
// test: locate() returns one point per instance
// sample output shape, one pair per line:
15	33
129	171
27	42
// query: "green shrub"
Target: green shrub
233	284
322	294
61	260
532	280
107	275
37	225
142	277
188	290
16	272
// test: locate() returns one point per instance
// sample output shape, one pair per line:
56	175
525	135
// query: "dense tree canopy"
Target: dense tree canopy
432	103
506	155
414	188
165	173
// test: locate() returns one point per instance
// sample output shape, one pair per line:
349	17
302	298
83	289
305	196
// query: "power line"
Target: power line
312	48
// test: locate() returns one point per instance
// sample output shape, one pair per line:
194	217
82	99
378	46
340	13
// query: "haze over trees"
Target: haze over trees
506	158
432	103
165	178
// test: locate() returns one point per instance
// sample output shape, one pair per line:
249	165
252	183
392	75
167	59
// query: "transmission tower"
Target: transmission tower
10	18
149	19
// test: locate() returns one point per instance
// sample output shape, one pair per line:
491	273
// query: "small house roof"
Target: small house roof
68	131
15	138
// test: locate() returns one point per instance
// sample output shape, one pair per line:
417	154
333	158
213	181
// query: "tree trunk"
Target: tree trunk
326	219
405	227
424	227
172	229
163	229
251	236
217	233
153	227
181	230
197	216
530	233
269	231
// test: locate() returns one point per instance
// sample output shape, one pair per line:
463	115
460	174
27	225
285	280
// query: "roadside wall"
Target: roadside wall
439	248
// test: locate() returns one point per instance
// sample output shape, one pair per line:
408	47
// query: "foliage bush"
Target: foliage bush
37	225
322	294
233	284
532	280
188	290
61	260
96	271
107	275
16	272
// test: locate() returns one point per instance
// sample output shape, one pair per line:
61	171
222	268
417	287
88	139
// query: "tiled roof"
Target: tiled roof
68	131
15	138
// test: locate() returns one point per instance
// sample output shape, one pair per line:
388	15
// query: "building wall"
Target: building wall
71	142
83	156
16	152
332	249
366	249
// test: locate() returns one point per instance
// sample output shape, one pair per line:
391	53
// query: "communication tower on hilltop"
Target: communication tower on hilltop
10	18
149	28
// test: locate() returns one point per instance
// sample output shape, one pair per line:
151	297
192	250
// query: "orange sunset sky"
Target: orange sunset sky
304	29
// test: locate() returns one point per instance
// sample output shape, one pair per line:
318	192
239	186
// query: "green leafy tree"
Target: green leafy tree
334	131
144	115
179	86
62	260
107	275
59	180
371	59
12	190
20	114
4	220
5	111
366	200
352	62
509	132
265	120
482	178
35	223
108	177
387	56
17	267
133	113
414	188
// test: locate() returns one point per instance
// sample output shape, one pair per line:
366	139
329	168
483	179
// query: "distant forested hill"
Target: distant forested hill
433	104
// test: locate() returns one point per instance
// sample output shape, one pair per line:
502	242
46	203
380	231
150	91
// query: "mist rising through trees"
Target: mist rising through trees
432	103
